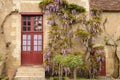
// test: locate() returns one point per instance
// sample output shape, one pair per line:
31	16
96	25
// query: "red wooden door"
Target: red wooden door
103	67
32	40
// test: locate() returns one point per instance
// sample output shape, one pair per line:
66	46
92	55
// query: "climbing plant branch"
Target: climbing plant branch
5	19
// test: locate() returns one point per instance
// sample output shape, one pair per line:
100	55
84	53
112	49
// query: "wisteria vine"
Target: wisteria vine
69	24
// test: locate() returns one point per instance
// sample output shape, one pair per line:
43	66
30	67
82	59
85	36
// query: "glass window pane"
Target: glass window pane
39	48
35	42
40	18
29	43
24	28
29	18
24	37
29	28
29	23
24	42
35	37
24	23
24	18
39	28
35	23
39	42
35	48
29	37
39	22
39	36
28	48
35	29
36	18
24	48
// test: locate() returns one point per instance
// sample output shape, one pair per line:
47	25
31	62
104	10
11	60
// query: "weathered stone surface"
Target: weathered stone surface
107	5
30	73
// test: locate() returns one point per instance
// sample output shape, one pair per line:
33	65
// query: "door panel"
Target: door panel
32	40
32	49
26	49
103	67
37	48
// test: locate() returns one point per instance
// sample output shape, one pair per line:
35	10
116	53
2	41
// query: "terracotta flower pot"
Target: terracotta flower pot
1	67
11	73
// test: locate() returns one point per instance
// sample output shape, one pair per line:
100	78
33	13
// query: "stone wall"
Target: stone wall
8	36
113	29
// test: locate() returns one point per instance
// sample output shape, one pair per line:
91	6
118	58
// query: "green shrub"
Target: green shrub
4	78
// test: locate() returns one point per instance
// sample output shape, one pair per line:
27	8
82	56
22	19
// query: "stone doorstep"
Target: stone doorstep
29	79
30	73
31	69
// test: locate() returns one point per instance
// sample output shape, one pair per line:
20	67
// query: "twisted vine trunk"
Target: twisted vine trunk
59	72
75	73
5	19
116	64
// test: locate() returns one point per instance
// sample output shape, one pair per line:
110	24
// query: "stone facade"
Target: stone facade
13	31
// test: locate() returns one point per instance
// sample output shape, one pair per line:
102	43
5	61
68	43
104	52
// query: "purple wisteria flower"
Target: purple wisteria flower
57	8
66	24
93	39
52	7
58	1
51	22
47	68
70	32
73	11
65	51
92	13
65	15
47	54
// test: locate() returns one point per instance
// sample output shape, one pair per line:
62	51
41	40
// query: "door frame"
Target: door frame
32	14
